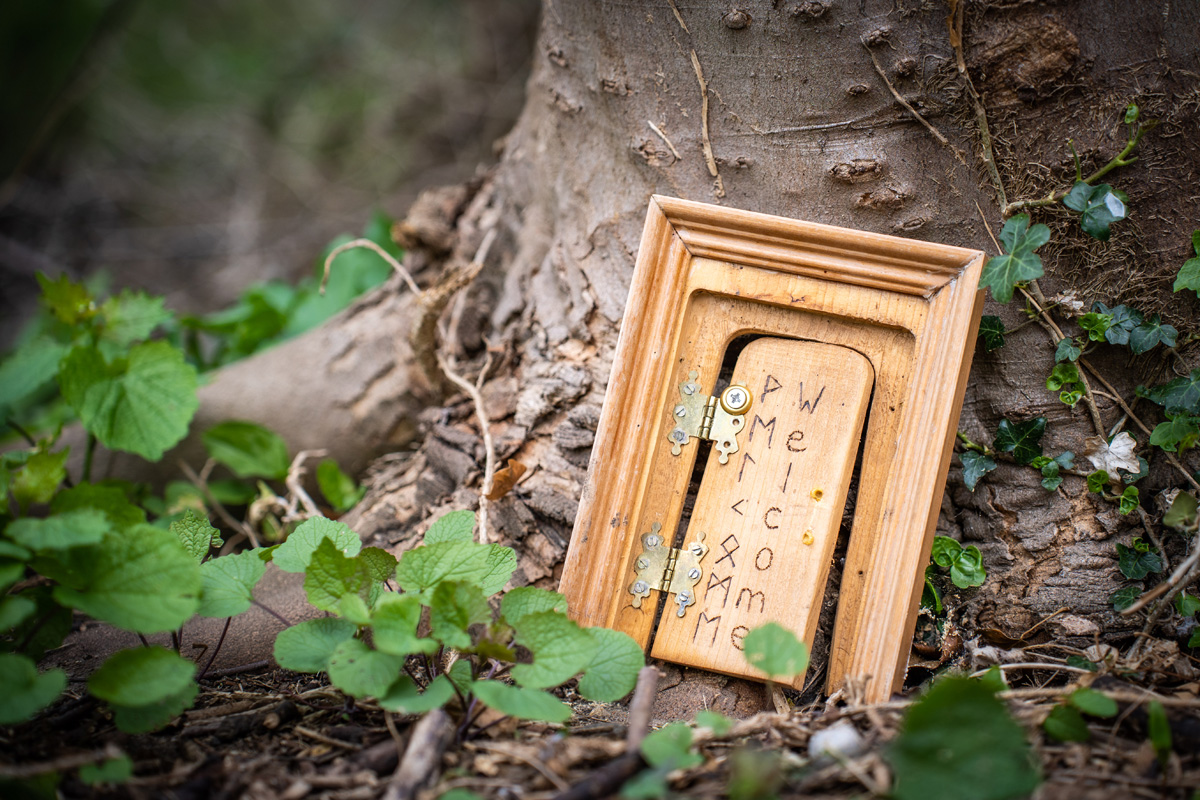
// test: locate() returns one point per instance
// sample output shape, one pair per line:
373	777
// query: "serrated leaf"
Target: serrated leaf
1067	351
1092	702
338	488
39	478
425	566
146	718
1150	333
394	625
330	576
404	697
499	566
1181	394
1100	205
354	608
141	404
670	748
139	579
991	333
294	554
1066	724
525	600
1179	432
454	607
975	466
69	302
380	564
109	499
1020	263
131	317
307	647
1136	565
110	771
959	734
613	670
1022	439
460	675
361	672
59	531
1182	514
1124	597
141	676
30	367
249	449
26	692
561	649
776	651
456	526
46	628
227	583
522	703
1131	113
197	535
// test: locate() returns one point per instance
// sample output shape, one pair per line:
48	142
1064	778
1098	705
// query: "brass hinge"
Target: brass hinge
717	419
668	569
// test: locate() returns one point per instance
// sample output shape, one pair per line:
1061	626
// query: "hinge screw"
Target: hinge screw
693	573
679	435
642	563
641	586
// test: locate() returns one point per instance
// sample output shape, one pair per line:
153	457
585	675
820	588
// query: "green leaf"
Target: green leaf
394	625
354	608
456	526
455	607
1189	273
1072	396
331	576
1022	439
197	535
112	771
499	565
720	724
361	672
1124	597
26	692
250	450
1079	662
670	748
1137	565
991	333
131	317
1181	394
1160	731
968	570
1067	351
69	302
380	564
1092	702
960	735
338	488
525	600
1182	514
1129	500
561	649
294	554
1097	481
1122	322
30	367
1051	480
112	500
522	703
142	404
145	718
403	696
1062	375
14	610
1195	640
307	647
1179	432
1066	724
459	794
975	466
1186	605
60	531
46	628
776	651
227	583
425	566
139	579
1020	264
613	670
994	679
945	551
39	478
1131	113
1101	207
141	676
1150	333
460	675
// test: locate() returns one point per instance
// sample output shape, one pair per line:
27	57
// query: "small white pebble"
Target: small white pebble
840	739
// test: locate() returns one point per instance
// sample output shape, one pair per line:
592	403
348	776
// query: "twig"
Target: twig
1034	665
238	670
389	719
675	10
271	611
955	23
489	469
384	254
201	483
663	136
545	771
705	139
295	473
908	106
60	764
423	757
641	706
320	737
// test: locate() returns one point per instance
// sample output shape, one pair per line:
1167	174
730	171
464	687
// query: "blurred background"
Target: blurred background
192	149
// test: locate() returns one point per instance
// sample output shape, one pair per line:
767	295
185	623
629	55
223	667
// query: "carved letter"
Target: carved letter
729	553
758	559
768	387
762	599
745	457
705	618
812	407
785	479
713	580
767	518
734	508
795	438
736	636
768	426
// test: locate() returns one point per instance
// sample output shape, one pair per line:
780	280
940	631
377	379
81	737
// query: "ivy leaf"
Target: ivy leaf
26	691
140	404
361	672
1066	724
40	477
69	302
131	317
967	570
1096	325
1189	273
196	534
1129	500
1100	205
1051	480
522	703
1020	263
1124	321
1136	565
227	583
1112	456
30	367
1124	597
1094	703
1150	333
60	531
394	625
1182	514
250	450
1186	605
1180	431
141	676
670	748
331	576
525	600
139	579
403	696
145	718
1062	375
294	554
975	466
307	647
959	734
455	607
338	488
776	651
991	333
456	526
613	670
560	648
428	565
1181	394
1022	439
1067	351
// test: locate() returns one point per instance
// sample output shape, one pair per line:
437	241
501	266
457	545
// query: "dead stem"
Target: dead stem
908	106
201	483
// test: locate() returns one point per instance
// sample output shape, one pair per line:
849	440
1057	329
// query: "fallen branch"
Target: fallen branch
60	764
423	757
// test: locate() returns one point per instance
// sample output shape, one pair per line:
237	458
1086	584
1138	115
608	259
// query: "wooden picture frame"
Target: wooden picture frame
706	275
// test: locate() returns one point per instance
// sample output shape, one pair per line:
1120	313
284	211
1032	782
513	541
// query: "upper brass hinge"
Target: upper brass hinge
718	419
668	569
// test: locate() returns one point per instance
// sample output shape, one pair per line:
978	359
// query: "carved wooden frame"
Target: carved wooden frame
911	307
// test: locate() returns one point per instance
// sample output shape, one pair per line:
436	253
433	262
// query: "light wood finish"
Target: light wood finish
771	515
909	307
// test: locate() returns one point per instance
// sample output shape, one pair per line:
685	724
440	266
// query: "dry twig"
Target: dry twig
423	757
908	106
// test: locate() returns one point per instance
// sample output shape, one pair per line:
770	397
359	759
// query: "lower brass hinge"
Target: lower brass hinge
668	569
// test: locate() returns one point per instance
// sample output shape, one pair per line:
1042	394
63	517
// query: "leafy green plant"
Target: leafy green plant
1019	263
1065	721
1189	273
1099	206
964	563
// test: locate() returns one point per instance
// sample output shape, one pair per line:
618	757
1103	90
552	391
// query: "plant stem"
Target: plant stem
272	612
978	448
1119	160
88	454
216	650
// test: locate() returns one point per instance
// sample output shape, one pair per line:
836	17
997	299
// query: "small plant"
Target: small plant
1189	273
1065	721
